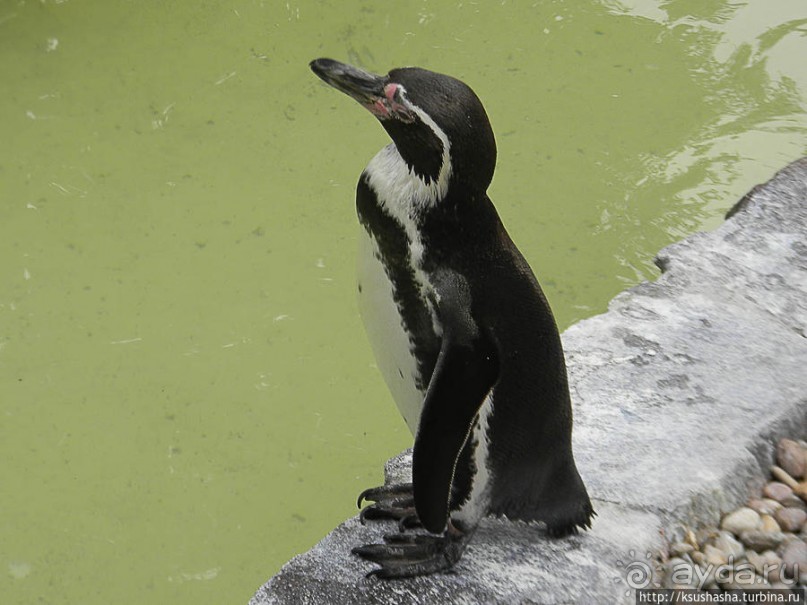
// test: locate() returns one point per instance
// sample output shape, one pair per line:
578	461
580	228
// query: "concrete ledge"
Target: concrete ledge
680	390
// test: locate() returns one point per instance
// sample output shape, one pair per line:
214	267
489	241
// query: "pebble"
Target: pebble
743	577
680	574
729	545
742	519
794	558
793	501
772	529
704	535
791	519
774	563
714	556
706	576
788	539
790	456
776	490
767	564
760	541
764	506
769	524
680	548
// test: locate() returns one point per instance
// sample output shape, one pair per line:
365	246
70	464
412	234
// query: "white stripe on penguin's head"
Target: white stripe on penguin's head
396	172
393	178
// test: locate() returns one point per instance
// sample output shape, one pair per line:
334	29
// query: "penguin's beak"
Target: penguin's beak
362	85
376	93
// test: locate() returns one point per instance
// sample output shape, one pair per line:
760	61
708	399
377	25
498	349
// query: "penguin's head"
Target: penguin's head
437	122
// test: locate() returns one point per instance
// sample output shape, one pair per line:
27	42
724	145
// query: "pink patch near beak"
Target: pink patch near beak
387	107
389	91
379	108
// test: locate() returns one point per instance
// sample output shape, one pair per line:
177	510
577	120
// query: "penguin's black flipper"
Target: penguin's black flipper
466	370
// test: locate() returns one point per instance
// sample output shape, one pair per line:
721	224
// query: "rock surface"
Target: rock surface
679	391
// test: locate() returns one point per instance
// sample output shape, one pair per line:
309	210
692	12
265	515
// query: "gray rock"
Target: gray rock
708	360
505	563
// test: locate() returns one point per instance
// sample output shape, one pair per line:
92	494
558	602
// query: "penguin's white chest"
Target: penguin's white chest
391	342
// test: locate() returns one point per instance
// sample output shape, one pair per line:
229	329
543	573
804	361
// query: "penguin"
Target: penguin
460	329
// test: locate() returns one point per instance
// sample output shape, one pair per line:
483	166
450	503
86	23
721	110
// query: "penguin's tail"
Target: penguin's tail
556	497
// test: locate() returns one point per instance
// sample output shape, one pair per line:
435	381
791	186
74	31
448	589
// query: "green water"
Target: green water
186	397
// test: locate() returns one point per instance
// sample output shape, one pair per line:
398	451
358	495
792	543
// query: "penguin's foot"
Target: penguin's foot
409	555
395	502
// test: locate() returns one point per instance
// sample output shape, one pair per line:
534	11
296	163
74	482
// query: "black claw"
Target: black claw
368	513
365	552
385	492
361	551
363	496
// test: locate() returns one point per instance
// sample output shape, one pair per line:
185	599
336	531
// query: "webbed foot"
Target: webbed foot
408	555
